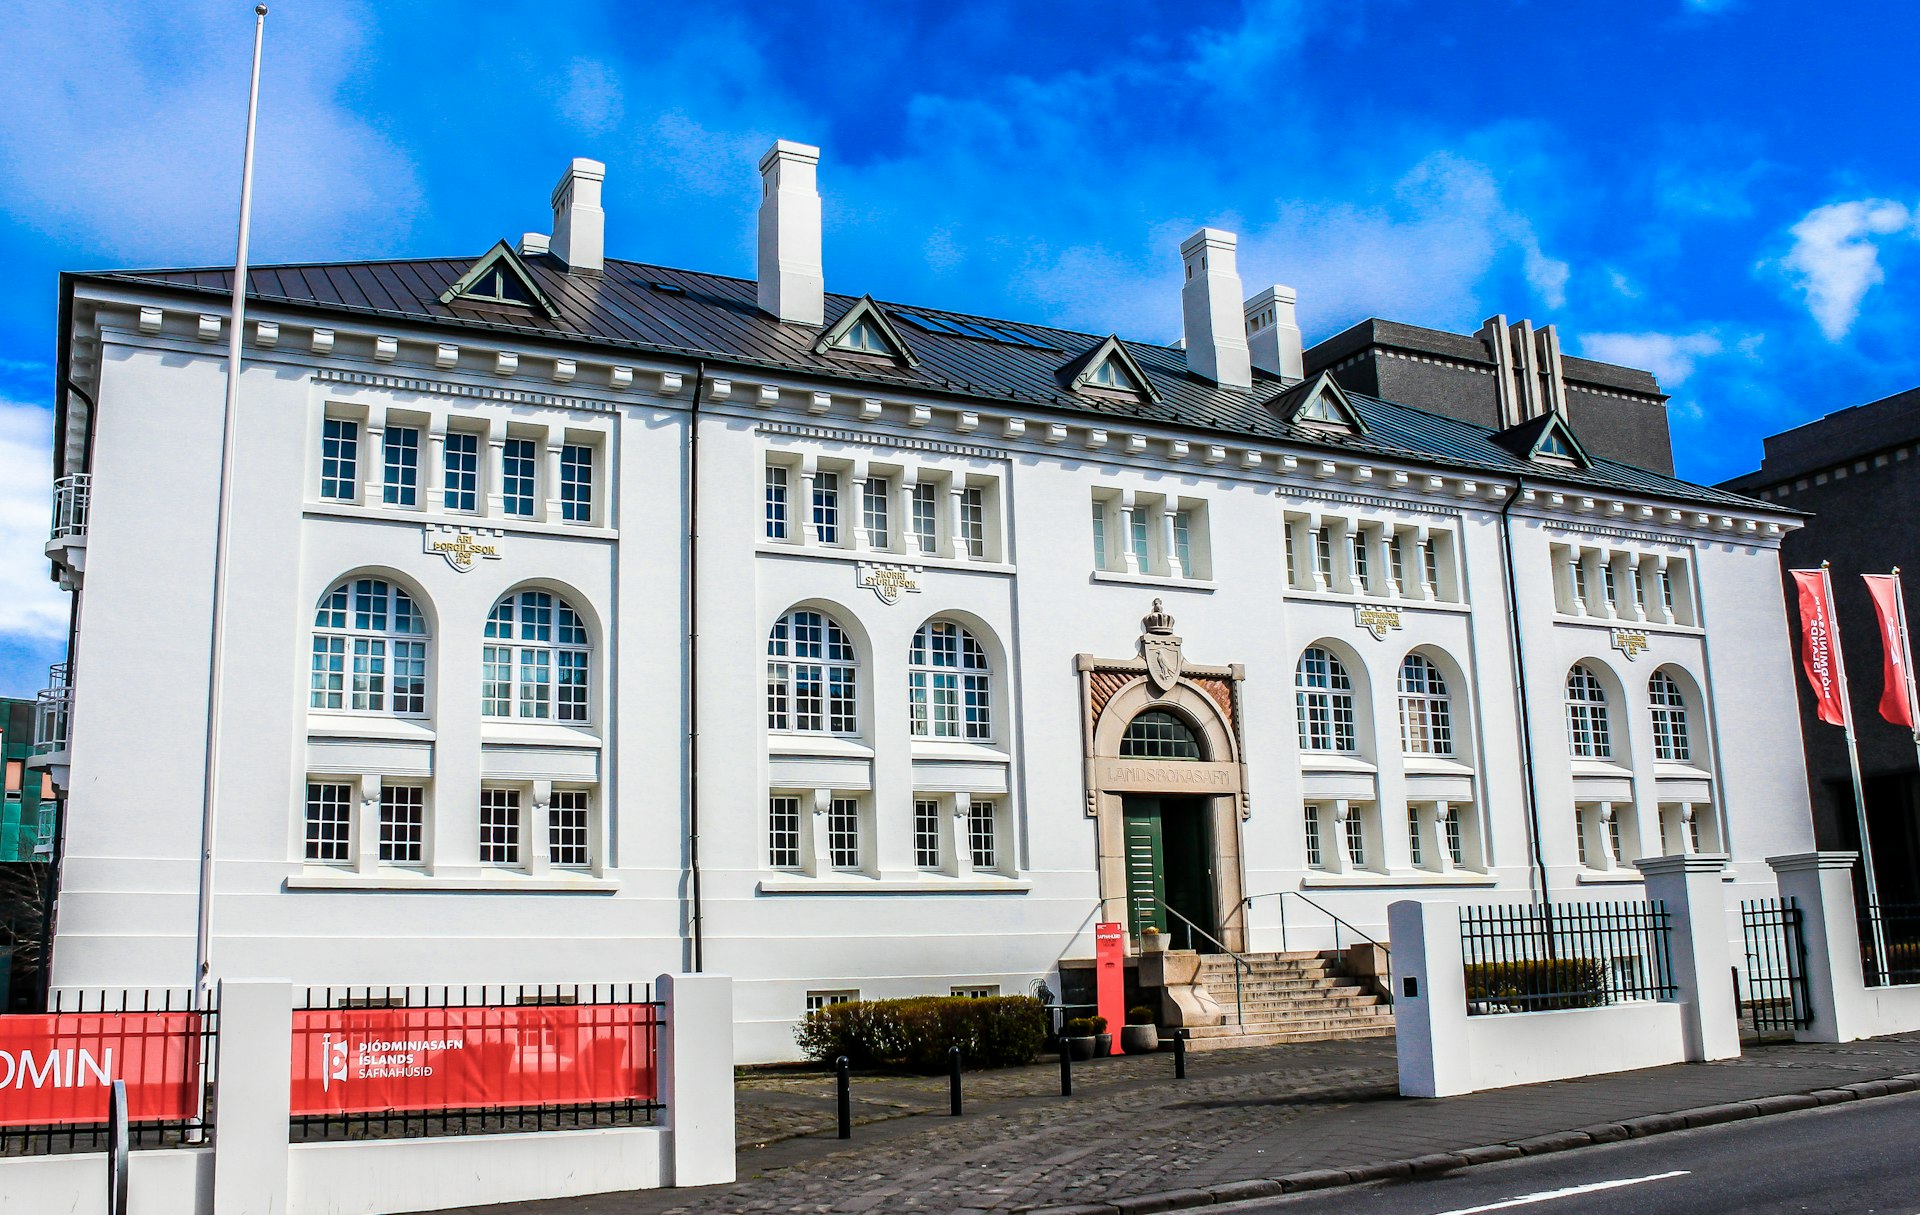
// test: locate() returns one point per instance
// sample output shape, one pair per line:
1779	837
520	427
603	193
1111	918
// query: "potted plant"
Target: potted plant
1102	1040
1078	1031
1152	940
1140	1036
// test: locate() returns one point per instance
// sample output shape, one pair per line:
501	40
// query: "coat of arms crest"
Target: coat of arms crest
1161	649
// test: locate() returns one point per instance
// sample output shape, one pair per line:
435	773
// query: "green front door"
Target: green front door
1146	865
1170	865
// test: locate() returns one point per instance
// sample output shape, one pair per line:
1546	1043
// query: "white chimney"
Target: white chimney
793	286
579	225
1273	335
1210	301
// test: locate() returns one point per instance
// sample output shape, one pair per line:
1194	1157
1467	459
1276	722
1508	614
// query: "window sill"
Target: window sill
1204	585
322	724
1321	761
1616	877
1368	599
1638	626
1599	769
495	731
1427	765
973	752
582	883
875	556
1670	771
1319	880
504	523
847	883
818	744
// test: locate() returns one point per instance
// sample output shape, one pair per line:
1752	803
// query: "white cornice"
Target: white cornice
453	388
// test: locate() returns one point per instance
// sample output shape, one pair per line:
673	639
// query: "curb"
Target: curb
1441	1162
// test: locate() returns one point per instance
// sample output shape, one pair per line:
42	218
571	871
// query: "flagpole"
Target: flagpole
1859	789
209	807
1906	660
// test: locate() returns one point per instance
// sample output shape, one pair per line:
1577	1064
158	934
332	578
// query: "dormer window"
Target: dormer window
1108	368
864	336
496	286
499	279
1545	439
1320	409
1111	375
1319	404
1553	447
865	329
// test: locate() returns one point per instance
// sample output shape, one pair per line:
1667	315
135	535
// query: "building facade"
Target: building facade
1852	473
587	618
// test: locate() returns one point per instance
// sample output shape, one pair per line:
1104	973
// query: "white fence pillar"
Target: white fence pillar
252	1095
1429	999
1822	884
696	1077
1690	888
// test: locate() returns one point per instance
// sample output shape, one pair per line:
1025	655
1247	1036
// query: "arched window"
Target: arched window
1426	711
1158	734
535	663
369	650
1323	697
1587	733
1670	740
810	676
949	687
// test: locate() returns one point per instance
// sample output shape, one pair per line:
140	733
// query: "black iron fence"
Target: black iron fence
1890	944
1776	979
1542	957
408	1062
57	1068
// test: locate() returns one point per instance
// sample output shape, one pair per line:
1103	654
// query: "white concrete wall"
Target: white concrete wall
381	1176
1530	1048
166	1182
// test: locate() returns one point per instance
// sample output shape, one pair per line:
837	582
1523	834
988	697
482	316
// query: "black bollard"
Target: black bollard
1179	1054
1066	1069
845	1085
953	1081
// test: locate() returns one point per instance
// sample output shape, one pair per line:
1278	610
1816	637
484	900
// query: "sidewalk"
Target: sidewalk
1130	1129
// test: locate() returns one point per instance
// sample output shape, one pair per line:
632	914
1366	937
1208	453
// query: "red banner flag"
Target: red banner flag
357	1060
1897	695
59	1069
1820	646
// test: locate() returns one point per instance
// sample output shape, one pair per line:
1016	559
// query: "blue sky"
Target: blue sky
1723	191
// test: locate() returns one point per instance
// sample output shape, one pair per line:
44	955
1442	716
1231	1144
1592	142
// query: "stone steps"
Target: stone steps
1283	998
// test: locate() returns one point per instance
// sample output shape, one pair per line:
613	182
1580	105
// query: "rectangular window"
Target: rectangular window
1099	535
400	466
403	824
1613	836
973	521
576	483
986	991
568	842
570	692
518	460
1397	563
1136	520
1358	540
874	496
329	823
1456	846
329	682
776	502
1315	858
496	681
1183	541
1580	583
817	1000
826	507
981	819
1693	831
1413	835
1607	586
1430	566
499	826
1580	836
1323	556
369	674
410	678
1666	589
926	833
1356	841
926	517
339	459
843	833
783	832
462	465
16	772
536	683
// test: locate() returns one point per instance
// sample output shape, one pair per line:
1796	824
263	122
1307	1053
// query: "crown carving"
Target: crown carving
1157	623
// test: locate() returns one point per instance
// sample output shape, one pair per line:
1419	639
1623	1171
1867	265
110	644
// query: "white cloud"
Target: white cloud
1835	259
1669	356
30	605
593	99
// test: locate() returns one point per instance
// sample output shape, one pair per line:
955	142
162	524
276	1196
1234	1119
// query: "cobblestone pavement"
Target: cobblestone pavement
1131	1129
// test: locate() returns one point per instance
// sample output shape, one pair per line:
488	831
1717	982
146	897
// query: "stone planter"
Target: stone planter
1139	1039
1080	1049
1102	1045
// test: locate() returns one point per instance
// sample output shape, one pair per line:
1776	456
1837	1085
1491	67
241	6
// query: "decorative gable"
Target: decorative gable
865	329
1320	404
1546	439
500	279
1108	367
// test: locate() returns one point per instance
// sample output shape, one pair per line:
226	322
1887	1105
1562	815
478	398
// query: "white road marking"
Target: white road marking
1569	1192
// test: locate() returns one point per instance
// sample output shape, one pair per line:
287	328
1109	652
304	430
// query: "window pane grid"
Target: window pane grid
843	833
400	466
973	521
1415	851
1356	841
517	460
926	833
461	463
1099	535
329	834
776	502
1183	540
403	824
1311	822
339	459
1157	734
1426	712
982	817
1587	730
813	697
576	483
783	832
1323	699
826	507
926	526
548	675
499	826
1670	741
873	510
369	651
949	687
1456	845
568	845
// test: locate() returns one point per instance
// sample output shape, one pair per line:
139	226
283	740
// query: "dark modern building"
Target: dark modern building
28	817
1857	474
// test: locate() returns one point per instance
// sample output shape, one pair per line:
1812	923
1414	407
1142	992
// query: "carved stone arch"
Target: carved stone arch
1185	699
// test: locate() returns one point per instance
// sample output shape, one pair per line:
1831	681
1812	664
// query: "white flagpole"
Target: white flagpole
209	808
1859	788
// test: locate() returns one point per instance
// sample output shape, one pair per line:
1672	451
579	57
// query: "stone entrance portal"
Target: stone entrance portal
1166	783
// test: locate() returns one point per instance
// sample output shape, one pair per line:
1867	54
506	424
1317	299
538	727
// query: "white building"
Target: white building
588	618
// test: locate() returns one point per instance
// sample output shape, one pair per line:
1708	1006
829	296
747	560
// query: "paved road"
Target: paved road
1862	1157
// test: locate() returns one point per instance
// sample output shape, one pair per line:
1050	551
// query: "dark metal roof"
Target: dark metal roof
692	315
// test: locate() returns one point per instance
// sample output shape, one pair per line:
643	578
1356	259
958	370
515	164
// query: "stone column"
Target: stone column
1822	884
253	1094
695	1078
1429	999
1696	902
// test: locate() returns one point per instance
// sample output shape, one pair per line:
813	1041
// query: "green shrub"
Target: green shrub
1078	1027
1099	1024
1140	1014
915	1034
1546	983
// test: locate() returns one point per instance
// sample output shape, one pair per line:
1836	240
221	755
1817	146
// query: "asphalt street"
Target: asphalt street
1859	1157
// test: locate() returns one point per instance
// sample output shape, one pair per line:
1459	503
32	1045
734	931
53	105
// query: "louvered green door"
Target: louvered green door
1146	865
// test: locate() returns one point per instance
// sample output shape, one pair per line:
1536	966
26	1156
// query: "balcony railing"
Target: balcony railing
70	499
53	714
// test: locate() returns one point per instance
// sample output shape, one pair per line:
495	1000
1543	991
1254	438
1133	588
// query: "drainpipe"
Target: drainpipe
693	666
1520	691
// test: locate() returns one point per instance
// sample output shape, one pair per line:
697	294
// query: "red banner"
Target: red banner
1820	646
362	1060
1896	694
59	1068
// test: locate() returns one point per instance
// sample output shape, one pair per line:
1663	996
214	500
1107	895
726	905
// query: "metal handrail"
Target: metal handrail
1239	1003
53	712
1338	923
71	498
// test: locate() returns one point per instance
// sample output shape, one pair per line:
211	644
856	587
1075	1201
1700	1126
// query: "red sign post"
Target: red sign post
59	1068
1110	975
359	1060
